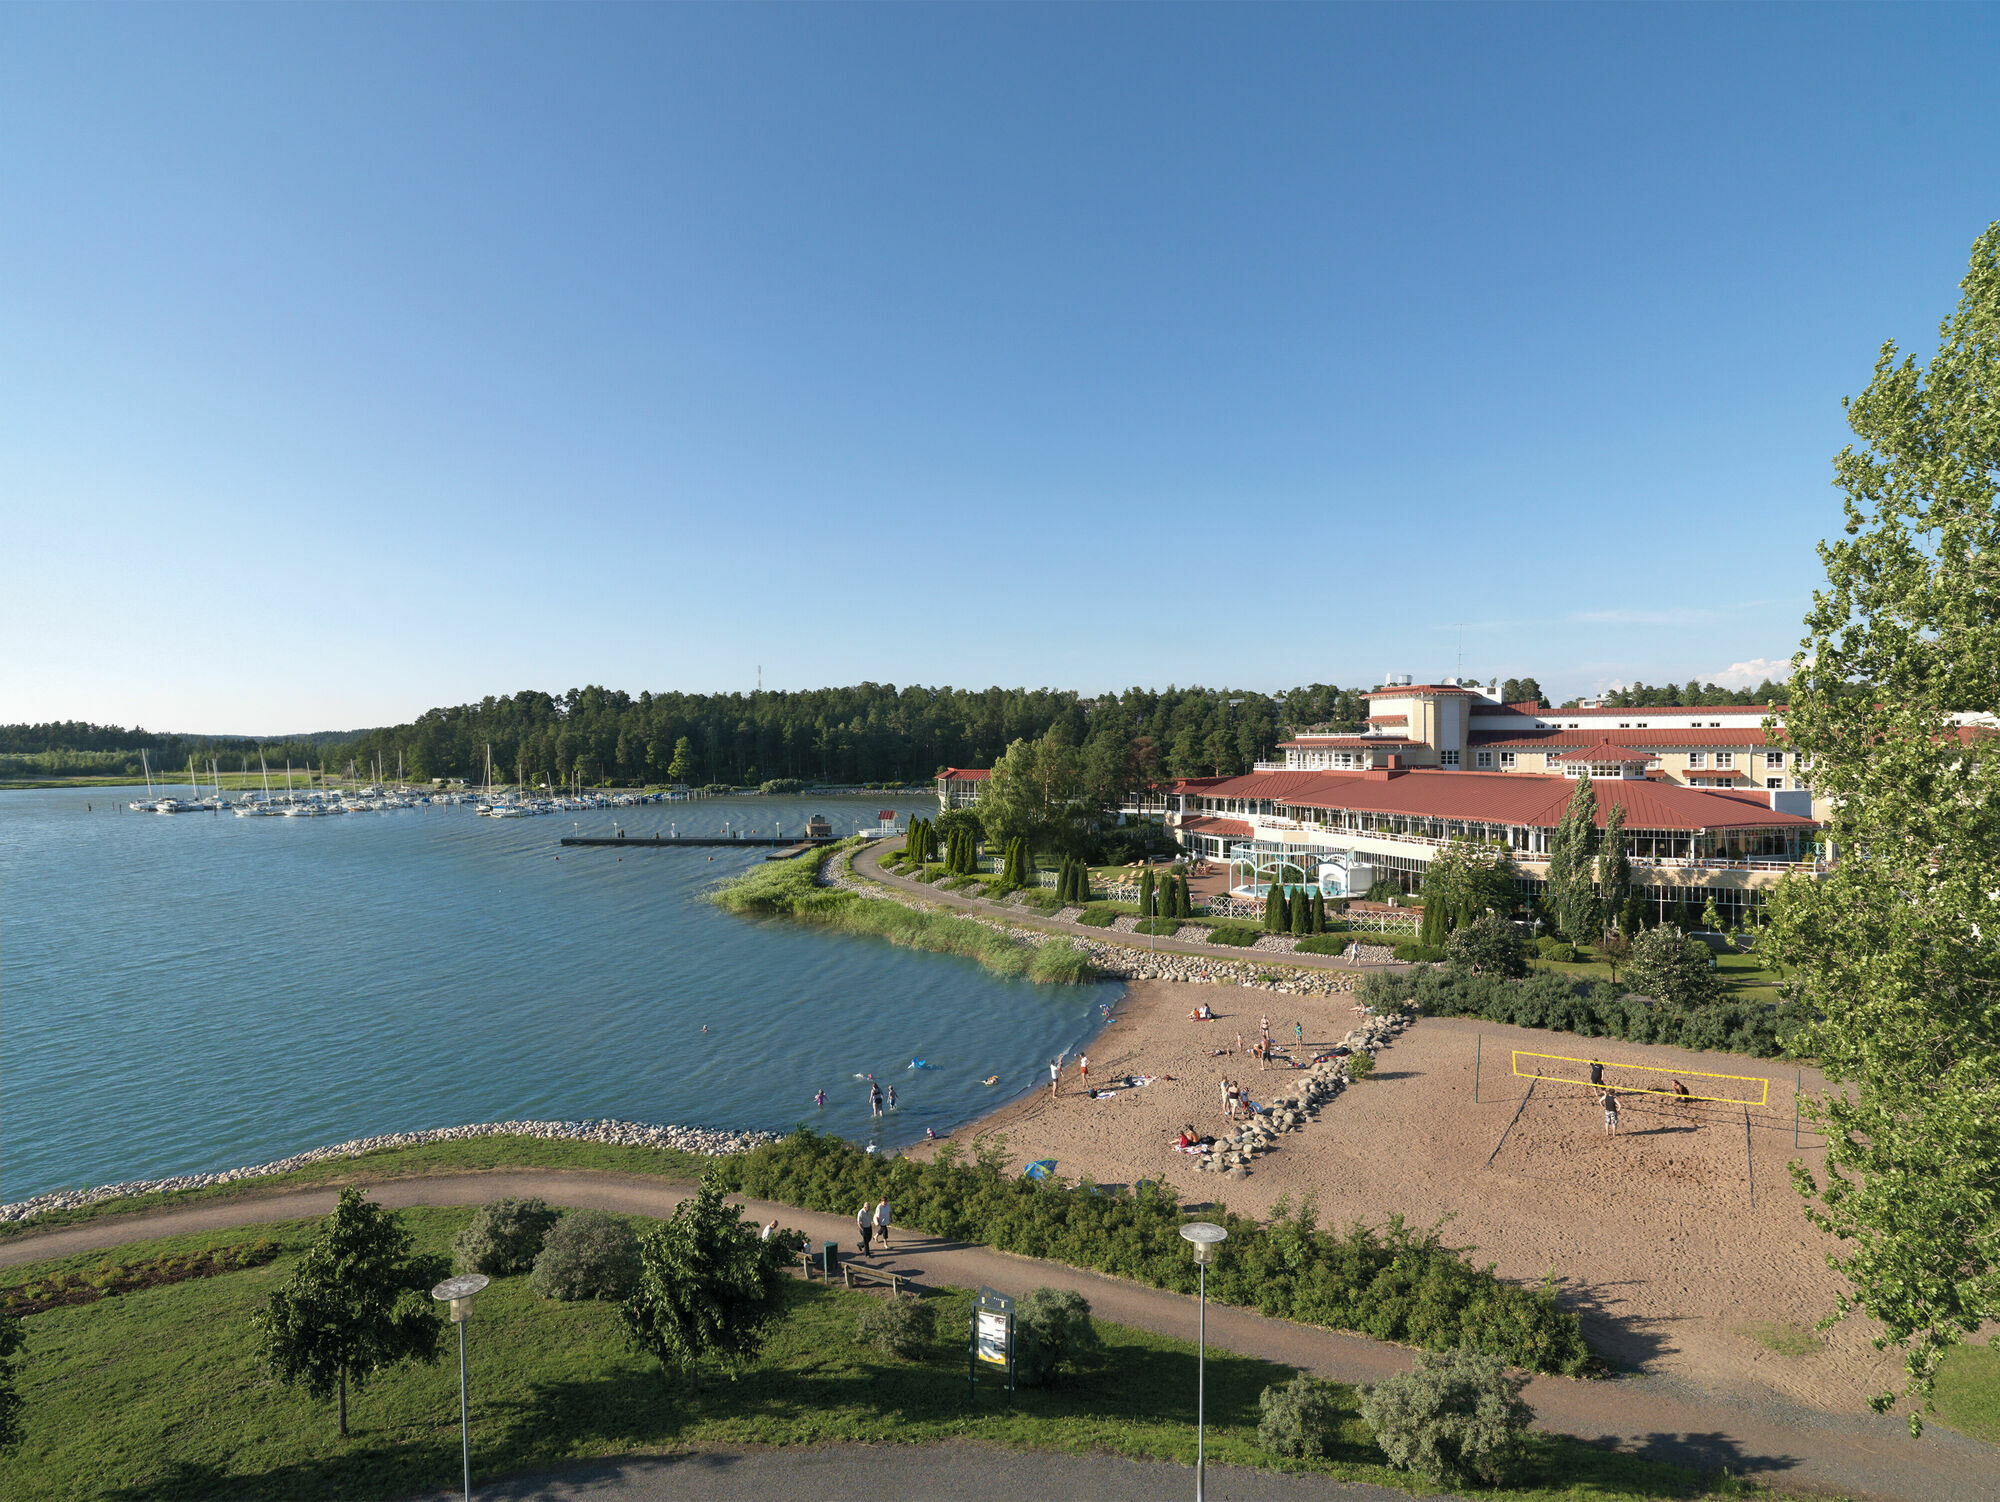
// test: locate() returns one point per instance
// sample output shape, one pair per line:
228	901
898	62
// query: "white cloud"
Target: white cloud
1750	674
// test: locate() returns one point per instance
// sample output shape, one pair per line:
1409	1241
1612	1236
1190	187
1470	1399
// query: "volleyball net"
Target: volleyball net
1642	1079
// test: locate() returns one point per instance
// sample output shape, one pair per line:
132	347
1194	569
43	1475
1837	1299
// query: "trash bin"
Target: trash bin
829	1259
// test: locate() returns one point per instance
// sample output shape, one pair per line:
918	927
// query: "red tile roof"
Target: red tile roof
1707	709
1235	828
964	774
1348	742
1541	740
1388	719
1500	798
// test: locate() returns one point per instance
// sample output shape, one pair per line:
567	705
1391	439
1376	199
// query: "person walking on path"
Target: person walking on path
882	1224
864	1226
1609	1100
1055	1076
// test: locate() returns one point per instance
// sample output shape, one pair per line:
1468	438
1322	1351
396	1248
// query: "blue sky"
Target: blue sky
360	359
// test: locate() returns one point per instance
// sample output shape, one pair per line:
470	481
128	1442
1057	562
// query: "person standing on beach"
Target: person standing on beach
864	1226
1055	1076
1239	1043
1264	1027
1299	1033
1228	1099
882	1224
1083	1069
1609	1100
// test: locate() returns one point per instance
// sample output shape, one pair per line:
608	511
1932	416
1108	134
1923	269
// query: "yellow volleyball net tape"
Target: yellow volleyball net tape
1581	1076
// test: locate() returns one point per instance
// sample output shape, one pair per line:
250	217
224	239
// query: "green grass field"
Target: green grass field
158	1394
1968	1391
1743	977
473	1155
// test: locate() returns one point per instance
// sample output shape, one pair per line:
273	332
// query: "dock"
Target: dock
789	844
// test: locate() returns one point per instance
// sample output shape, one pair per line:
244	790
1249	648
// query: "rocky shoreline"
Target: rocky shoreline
709	1141
1122	962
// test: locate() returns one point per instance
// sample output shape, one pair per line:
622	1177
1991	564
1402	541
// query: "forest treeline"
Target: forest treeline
867	732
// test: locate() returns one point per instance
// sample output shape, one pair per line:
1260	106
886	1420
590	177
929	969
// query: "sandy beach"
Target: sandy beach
1680	1239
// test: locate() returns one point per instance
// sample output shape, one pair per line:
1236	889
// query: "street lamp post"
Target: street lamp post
458	1292
1204	1238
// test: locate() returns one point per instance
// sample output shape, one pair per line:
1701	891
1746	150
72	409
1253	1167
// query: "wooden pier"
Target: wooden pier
790	844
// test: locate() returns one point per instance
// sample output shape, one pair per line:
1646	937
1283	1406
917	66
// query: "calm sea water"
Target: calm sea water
195	992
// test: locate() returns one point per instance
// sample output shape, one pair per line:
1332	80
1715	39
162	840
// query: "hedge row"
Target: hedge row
1393	1283
1594	1009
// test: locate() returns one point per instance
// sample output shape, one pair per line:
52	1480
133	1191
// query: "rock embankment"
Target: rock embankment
1318	1085
1128	962
705	1140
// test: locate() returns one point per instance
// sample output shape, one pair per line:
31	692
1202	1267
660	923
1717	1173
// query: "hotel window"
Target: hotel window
1715	724
1724	760
1697	759
1483	759
1600	770
1774	758
1507	760
1447	758
1774	782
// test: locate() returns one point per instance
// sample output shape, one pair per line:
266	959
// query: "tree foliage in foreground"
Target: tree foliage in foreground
358	1301
1896	952
707	1286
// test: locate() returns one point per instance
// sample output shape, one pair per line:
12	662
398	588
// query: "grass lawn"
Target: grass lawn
1968	1391
1742	977
470	1156
158	1394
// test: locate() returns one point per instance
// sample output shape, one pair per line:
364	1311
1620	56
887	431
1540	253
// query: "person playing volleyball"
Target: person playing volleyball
1609	1100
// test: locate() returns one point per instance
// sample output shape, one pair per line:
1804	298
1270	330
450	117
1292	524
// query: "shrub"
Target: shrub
1557	951
1236	935
587	1255
1486	943
1410	952
1053	1330
1324	944
1458	1418
1360	1064
504	1237
1670	968
1164	928
781	786
1300	1418
1098	917
898	1326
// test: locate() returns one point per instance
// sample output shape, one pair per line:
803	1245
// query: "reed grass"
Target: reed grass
790	889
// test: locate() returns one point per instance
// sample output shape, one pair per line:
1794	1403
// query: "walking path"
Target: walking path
867	863
1755	1434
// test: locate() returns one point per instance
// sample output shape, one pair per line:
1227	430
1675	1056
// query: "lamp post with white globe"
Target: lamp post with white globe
1204	1238
459	1292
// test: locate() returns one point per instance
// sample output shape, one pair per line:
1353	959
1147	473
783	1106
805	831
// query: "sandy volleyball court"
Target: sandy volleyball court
1680	1238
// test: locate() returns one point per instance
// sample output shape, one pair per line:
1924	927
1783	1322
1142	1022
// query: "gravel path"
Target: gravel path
1759	1435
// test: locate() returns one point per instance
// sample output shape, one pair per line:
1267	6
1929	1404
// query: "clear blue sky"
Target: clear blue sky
360	359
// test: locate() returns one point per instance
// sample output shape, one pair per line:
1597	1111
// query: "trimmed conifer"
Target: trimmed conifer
1298	912
1271	900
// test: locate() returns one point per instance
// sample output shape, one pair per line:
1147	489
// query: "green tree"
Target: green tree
1038	791
358	1301
707	1286
1457	1419
681	768
1487	944
11	1338
1296	917
1614	867
1274	899
1895	952
1671	968
1146	893
1711	916
1570	865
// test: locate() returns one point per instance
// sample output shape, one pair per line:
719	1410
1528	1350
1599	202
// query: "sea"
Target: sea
197	992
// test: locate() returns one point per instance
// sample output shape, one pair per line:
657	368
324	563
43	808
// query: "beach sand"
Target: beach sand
1680	1240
